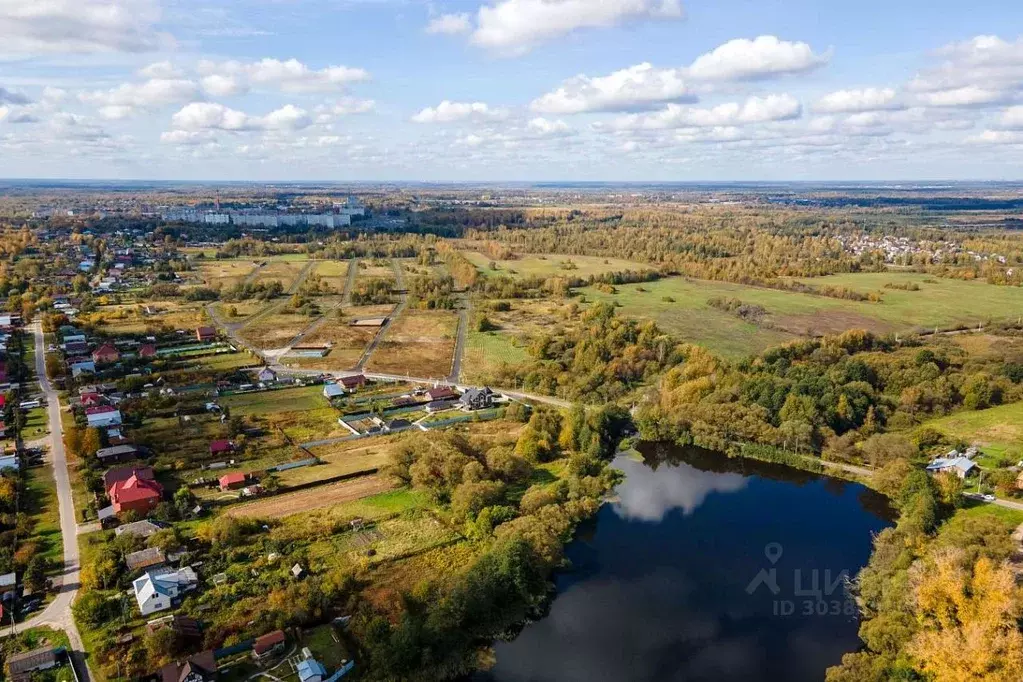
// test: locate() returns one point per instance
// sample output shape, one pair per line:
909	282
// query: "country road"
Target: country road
464	318
346	300
399	277
58	613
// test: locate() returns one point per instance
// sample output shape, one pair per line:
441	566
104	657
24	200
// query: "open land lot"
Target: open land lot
274	329
375	269
998	430
284	271
487	352
313	498
238	311
420	343
225	273
681	306
538	265
133	318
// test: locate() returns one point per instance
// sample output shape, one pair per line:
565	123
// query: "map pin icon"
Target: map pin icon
773	552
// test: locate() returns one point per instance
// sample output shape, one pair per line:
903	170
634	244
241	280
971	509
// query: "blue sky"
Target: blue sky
511	89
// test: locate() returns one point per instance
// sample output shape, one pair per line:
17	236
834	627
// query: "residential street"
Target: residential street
58	613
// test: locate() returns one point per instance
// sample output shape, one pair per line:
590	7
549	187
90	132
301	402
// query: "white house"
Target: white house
157	590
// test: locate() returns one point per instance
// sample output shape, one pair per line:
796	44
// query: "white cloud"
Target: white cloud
753	110
33	27
543	127
219	85
850	101
1012	118
966	96
203	116
449	112
982	71
234	77
450	24
762	57
128	98
636	88
516	26
164	69
997	137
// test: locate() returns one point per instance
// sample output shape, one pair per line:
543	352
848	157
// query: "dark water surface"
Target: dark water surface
704	569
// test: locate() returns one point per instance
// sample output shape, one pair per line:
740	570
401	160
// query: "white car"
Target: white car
989	498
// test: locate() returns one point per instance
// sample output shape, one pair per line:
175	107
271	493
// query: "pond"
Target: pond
704	568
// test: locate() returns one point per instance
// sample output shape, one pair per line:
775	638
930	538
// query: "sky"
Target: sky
511	90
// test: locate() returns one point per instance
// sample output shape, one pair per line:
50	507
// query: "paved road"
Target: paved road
399	277
58	613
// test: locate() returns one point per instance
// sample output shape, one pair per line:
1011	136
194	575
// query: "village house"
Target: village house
960	466
442	393
21	666
311	670
267	645
143	529
8	583
477	398
145	558
233	481
267	375
147	351
132	489
350	383
201	667
106	354
102	415
221	447
82	367
119	453
159	589
206	334
331	391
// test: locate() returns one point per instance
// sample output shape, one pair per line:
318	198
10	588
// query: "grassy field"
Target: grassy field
546	266
281	400
332	270
238	311
133	318
284	271
998	430
319	497
487	352
348	342
274	330
42	509
224	273
680	306
375	269
421	343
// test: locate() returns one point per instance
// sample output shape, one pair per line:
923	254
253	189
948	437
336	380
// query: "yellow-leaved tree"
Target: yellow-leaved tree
969	619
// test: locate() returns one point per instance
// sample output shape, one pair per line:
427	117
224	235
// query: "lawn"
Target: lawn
42	509
420	343
680	306
998	430
280	400
537	265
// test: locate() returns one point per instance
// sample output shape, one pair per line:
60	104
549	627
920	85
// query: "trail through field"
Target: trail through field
399	277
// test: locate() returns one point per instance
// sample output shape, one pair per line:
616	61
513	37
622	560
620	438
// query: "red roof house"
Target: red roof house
3	400
219	447
233	481
205	333
147	351
268	644
138	493
90	399
105	354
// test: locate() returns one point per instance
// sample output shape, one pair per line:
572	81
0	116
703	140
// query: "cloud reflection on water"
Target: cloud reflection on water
648	495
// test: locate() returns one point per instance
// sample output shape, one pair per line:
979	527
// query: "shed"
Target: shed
145	558
233	481
311	670
331	391
219	447
21	666
268	644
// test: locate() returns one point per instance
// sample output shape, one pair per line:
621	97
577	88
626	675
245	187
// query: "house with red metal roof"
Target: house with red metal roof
106	354
138	492
233	481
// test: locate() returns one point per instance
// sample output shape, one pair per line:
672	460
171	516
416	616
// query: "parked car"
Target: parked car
989	498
